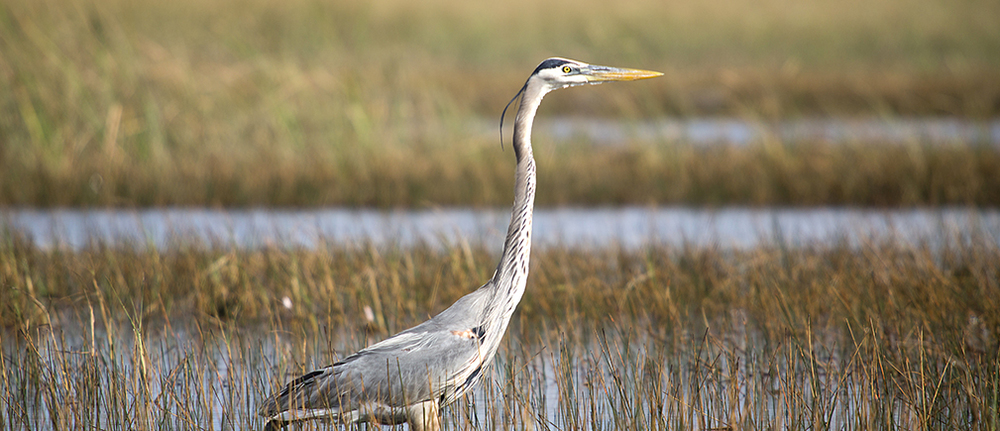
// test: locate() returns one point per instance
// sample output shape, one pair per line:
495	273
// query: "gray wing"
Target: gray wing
433	360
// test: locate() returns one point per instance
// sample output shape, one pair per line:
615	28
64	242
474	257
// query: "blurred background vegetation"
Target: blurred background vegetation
394	103
136	103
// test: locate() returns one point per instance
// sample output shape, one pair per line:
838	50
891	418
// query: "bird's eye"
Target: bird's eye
567	69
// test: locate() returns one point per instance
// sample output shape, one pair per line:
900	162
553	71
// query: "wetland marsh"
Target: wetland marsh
781	113
314	103
890	335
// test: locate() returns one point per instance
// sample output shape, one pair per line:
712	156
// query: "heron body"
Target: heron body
408	377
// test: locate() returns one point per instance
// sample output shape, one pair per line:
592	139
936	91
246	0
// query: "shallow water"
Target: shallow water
214	378
628	227
736	131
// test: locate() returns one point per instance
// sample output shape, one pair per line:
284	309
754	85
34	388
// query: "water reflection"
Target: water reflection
628	227
735	131
729	373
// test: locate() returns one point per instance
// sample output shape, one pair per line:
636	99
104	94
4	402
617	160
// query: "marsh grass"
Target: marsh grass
305	102
885	336
766	174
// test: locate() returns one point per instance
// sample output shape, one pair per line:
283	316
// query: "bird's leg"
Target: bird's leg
424	416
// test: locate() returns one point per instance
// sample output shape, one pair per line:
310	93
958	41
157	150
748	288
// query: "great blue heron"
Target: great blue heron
408	377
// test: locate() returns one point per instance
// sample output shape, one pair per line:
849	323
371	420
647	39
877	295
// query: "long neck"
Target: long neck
504	291
512	271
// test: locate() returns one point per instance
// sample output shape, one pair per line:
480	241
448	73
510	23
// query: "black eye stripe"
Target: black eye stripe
551	63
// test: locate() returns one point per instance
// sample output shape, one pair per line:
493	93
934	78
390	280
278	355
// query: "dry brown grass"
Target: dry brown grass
884	337
937	289
305	103
481	175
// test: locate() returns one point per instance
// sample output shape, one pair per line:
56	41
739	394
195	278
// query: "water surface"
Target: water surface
737	131
627	227
163	374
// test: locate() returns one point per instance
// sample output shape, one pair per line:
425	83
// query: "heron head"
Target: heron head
557	72
562	72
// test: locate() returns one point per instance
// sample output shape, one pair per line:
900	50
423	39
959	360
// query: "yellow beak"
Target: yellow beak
596	74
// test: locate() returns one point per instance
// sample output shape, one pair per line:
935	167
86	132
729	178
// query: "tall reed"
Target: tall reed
884	336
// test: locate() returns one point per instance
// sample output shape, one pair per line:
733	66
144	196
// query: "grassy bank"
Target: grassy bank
672	286
885	337
669	285
480	174
305	102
